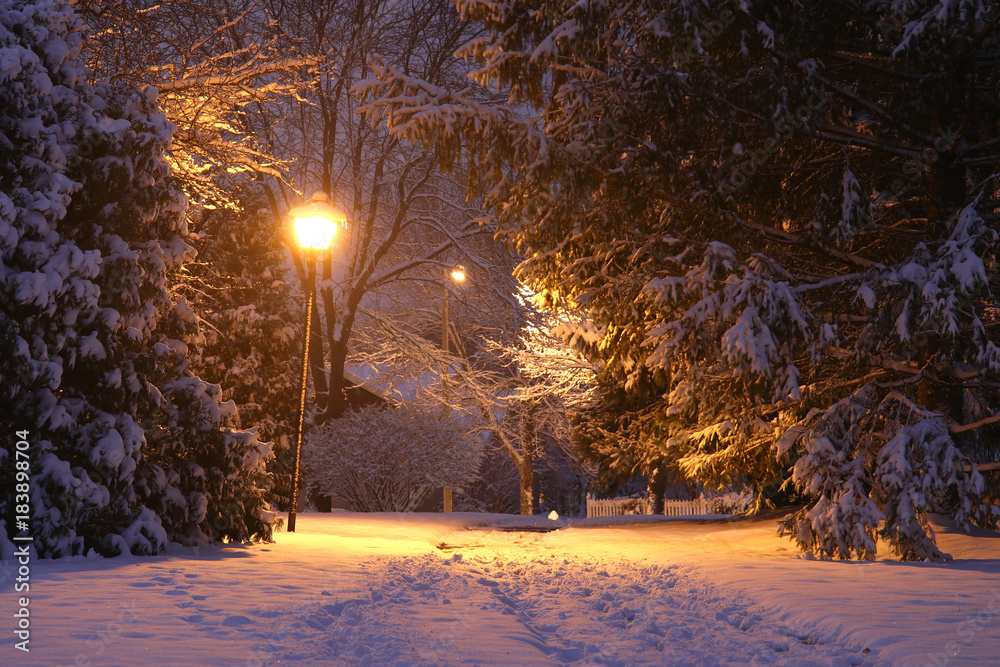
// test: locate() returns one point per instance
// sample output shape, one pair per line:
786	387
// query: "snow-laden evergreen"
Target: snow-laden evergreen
249	335
128	448
780	225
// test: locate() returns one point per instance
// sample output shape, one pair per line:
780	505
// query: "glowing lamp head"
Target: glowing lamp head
316	223
315	233
458	273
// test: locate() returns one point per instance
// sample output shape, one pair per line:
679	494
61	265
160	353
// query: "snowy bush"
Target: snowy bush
389	459
128	449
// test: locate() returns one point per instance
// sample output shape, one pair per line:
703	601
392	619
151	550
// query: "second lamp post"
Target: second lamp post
458	275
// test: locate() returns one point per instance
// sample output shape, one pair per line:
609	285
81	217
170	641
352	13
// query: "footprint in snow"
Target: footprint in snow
236	621
319	623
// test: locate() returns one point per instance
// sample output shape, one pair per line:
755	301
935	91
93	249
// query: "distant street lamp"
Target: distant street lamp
458	275
315	225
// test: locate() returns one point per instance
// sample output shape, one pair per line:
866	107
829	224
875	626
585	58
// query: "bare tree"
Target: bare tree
221	75
522	383
407	222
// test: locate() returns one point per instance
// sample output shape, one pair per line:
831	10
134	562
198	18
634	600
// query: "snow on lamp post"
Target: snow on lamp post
458	275
315	225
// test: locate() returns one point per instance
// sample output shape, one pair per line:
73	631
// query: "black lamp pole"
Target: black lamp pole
310	259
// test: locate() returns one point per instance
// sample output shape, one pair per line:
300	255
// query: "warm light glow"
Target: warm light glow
316	233
316	223
458	273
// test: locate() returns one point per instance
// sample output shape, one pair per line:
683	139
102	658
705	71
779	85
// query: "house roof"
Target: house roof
361	392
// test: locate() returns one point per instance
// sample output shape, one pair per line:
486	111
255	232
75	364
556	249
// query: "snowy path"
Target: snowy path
534	609
427	590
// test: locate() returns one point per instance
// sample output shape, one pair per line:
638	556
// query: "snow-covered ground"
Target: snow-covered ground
460	589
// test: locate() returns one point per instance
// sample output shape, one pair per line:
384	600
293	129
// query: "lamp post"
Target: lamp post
458	275
315	226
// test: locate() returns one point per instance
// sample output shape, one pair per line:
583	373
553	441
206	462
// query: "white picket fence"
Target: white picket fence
620	506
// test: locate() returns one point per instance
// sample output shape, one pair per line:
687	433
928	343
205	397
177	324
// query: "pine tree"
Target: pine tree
780	220
128	449
249	336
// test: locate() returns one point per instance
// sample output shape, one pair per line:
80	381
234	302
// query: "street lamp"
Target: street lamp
458	275
315	225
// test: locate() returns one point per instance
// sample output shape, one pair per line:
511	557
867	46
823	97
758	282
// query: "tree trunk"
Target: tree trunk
946	187
316	366
338	399
527	504
657	487
339	323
